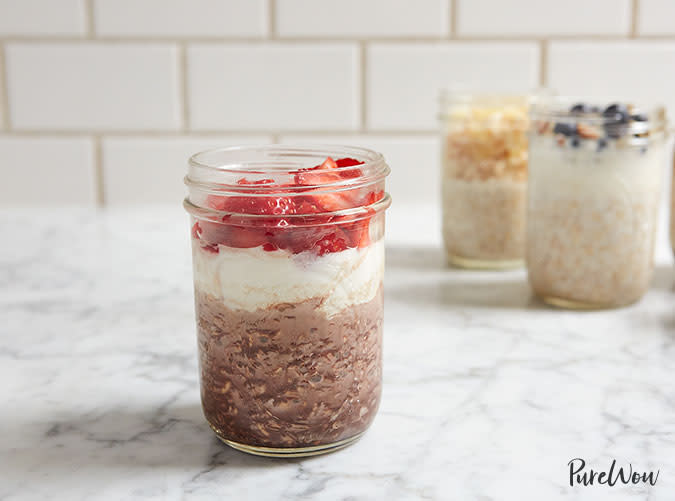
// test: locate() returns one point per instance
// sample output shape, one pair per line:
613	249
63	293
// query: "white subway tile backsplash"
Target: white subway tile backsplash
150	170
638	71
160	79
283	86
181	18
42	17
543	17
46	171
93	86
656	17
414	161
404	80
362	18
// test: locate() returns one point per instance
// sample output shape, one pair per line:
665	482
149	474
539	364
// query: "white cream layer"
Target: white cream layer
560	172
253	278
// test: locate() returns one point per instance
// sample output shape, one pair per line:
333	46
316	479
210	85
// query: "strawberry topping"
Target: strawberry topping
276	232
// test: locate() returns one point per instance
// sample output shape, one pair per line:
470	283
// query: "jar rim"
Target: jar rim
372	161
270	171
558	109
453	100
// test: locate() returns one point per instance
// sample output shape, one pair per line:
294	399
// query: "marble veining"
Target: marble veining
487	393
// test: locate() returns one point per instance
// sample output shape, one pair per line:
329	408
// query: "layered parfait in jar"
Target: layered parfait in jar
288	259
484	179
595	178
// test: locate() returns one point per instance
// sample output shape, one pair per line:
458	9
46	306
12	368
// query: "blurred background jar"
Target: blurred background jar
672	209
484	179
594	189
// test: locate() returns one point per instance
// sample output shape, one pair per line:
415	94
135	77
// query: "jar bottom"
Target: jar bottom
287	452
483	264
571	304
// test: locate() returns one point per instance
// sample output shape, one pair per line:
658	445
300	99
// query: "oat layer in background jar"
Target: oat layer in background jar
288	257
595	182
484	179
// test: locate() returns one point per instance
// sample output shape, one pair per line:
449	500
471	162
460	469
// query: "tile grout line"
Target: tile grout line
634	18
105	39
271	19
98	171
183	86
453	18
89	18
4	92
543	63
363	87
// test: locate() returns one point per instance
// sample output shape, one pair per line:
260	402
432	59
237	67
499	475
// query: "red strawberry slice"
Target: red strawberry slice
322	175
347	162
244	181
296	235
335	241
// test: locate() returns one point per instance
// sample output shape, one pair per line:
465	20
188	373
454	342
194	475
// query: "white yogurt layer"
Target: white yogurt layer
250	279
556	171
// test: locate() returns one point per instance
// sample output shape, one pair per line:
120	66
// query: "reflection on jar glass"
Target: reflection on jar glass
595	177
288	259
484	179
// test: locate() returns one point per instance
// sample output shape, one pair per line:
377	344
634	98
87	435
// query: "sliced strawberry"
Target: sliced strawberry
275	231
347	162
315	177
244	181
196	231
246	237
335	241
374	196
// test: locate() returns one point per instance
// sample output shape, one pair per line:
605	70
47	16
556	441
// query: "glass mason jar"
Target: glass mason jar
484	179
595	177
288	259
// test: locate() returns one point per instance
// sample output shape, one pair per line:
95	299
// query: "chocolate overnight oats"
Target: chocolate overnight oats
288	260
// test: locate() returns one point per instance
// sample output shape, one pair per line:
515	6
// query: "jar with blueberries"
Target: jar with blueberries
593	197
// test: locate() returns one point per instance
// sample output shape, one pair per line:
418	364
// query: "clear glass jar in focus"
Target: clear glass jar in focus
484	179
288	259
594	189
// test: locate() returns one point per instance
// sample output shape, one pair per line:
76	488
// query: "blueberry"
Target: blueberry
639	117
575	142
602	144
616	113
564	129
580	109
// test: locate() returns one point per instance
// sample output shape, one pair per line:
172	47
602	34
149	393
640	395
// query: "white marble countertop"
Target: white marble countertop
487	393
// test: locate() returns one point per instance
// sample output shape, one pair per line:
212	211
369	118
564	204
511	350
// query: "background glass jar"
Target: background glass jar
484	179
672	209
288	259
595	183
